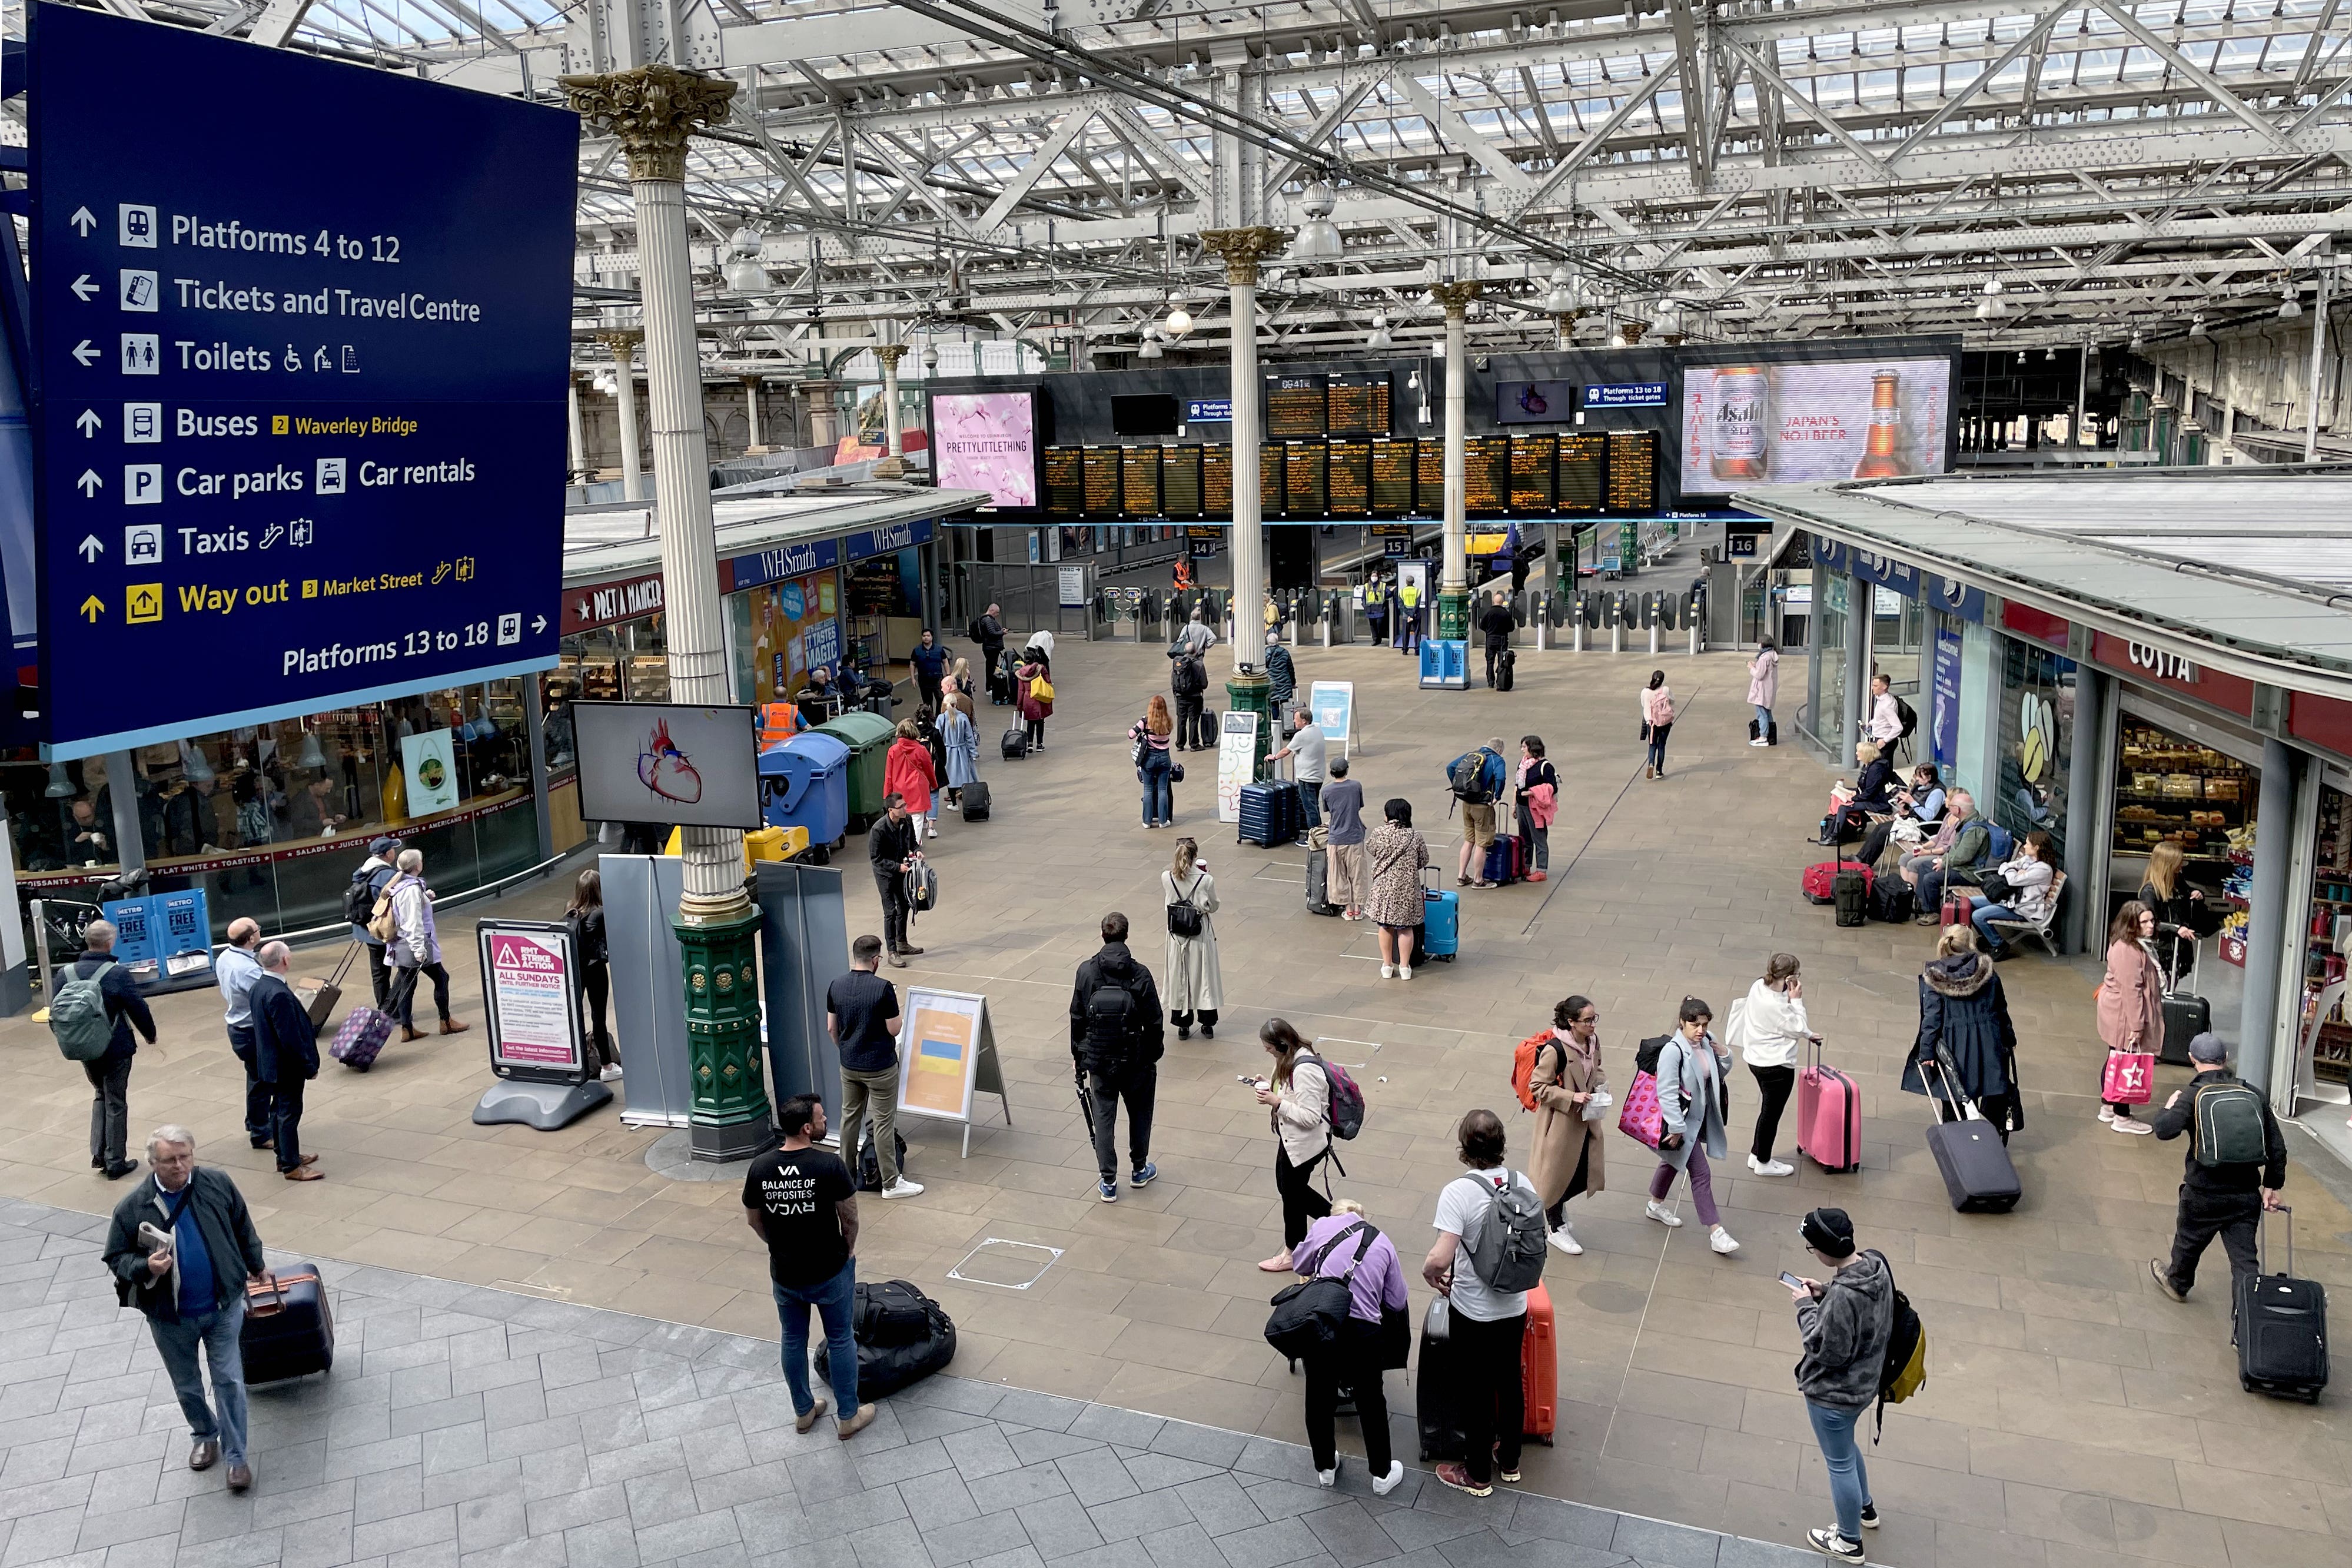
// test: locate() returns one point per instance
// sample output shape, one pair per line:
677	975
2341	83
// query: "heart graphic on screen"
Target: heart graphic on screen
665	770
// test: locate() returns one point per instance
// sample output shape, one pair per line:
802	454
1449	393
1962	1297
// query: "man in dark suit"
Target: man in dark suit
286	1057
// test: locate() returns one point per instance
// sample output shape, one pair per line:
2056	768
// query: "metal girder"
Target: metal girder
1448	120
1567	167
1065	130
2122	16
1698	136
2033	41
277	23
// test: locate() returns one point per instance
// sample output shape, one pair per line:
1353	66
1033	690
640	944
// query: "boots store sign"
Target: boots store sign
2151	665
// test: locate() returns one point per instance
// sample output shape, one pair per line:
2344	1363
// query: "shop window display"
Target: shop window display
2172	789
2037	733
2323	959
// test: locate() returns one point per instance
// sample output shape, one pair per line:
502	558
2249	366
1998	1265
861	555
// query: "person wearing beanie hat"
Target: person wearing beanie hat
2225	1198
1845	1322
374	873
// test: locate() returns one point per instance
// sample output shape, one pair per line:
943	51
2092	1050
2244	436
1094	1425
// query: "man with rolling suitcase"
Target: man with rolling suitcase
180	1248
2235	1167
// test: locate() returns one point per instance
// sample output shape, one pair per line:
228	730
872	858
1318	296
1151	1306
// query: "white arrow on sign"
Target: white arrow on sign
89	423
89	483
83	287
91	548
83	222
85	354
538	623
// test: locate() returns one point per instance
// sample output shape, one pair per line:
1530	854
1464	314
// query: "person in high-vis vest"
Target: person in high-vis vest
1376	608
780	722
1409	612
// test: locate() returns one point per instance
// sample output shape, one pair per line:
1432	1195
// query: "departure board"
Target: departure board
1294	405
1180	481
1487	475
1100	471
1358	404
1065	488
1531	475
1348	489
1269	479
1392	480
1633	472
1583	471
1302	481
1430	478
1216	481
1138	471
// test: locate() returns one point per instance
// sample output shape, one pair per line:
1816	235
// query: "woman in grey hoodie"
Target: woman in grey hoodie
1845	1323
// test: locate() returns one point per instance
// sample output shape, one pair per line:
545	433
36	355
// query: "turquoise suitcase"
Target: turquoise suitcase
1440	925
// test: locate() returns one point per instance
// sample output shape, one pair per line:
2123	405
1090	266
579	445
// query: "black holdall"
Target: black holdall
1310	1315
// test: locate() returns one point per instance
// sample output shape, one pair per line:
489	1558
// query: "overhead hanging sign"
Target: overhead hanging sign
302	412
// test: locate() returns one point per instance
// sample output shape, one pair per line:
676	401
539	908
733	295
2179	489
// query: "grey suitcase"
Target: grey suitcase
1319	883
1978	1173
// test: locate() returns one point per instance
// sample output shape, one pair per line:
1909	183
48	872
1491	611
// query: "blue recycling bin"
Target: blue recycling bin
804	783
1446	663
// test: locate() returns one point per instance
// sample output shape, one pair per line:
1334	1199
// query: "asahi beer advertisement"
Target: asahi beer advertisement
1794	424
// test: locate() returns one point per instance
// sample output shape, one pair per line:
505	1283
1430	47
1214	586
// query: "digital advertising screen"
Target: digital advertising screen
667	763
987	441
1180	481
1809	423
1065	488
1535	402
1392	478
1583	470
1348	487
1139	469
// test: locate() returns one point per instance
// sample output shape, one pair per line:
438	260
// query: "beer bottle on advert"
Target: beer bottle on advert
1879	461
1742	420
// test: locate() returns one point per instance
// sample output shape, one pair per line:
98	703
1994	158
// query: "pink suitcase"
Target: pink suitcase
1829	1117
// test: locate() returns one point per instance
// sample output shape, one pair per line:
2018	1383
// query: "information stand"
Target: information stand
530	990
1333	703
1237	760
947	1053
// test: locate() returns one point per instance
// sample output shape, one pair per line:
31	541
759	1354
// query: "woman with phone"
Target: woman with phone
1298	1096
1692	1101
1768	1028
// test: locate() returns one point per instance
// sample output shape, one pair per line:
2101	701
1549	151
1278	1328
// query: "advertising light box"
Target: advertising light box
987	441
667	763
1798	423
299	435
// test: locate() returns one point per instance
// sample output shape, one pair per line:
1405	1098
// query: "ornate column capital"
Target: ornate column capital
1241	249
889	355
623	343
653	110
1455	297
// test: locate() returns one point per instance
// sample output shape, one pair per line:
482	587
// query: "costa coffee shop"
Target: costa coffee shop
2129	660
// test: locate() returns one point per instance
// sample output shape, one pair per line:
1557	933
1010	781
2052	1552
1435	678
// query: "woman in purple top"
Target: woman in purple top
1358	1361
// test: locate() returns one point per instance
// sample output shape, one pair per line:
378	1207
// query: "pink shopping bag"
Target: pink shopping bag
2129	1079
1641	1120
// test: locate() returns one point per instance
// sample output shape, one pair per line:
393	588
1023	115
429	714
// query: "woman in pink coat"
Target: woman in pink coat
908	770
1763	689
2131	1000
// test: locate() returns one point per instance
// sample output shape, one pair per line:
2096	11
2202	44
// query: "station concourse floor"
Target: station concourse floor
2073	1416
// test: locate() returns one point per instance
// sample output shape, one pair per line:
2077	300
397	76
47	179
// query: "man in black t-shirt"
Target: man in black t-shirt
1496	622
798	1200
861	1011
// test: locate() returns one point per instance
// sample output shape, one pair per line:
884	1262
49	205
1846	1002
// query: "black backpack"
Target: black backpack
1113	1021
1190	678
1308	1316
359	899
1468	778
1910	719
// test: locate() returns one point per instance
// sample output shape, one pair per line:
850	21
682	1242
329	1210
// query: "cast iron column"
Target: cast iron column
894	460
1452	620
653	110
1241	249
624	397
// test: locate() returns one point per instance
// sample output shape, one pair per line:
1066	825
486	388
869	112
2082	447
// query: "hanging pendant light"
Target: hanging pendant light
1380	338
1317	238
1179	320
2290	307
1562	300
1149	347
61	787
193	765
309	755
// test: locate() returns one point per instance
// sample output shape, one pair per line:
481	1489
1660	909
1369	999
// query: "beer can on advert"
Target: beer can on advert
1742	416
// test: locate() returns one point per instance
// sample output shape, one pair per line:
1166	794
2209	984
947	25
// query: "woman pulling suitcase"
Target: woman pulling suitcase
1965	1030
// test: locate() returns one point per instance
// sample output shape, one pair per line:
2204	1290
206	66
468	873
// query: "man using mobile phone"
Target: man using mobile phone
1845	1323
191	1289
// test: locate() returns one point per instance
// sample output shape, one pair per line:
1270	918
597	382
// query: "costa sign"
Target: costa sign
2153	666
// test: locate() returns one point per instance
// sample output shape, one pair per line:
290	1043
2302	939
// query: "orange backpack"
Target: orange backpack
1523	1065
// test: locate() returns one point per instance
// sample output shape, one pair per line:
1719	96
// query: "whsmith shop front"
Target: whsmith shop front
2129	661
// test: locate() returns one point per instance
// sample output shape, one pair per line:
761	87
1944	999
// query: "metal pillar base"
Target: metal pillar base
1253	693
730	1116
1694	644
542	1106
1616	639
1654	639
1454	614
1576	640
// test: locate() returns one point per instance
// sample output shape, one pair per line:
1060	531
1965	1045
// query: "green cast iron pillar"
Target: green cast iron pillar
722	1036
1247	691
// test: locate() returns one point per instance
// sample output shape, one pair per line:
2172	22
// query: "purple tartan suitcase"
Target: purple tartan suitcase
362	1038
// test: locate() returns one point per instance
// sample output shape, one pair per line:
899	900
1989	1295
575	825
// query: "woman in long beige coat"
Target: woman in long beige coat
1568	1147
2131	1001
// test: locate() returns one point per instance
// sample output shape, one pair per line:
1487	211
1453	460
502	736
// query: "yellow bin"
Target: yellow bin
761	844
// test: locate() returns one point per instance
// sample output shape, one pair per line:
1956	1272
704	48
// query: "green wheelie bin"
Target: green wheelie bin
869	738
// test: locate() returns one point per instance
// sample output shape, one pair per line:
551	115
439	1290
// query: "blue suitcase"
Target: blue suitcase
1270	813
1440	925
1506	859
289	1329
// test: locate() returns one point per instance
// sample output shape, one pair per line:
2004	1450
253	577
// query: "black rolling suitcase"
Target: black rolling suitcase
2186	1015
975	801
1973	1161
2282	1328
1270	813
1015	744
1437	1387
289	1330
1506	670
1319	883
1850	891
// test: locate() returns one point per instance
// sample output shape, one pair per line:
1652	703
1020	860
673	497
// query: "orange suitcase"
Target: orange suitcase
1539	1368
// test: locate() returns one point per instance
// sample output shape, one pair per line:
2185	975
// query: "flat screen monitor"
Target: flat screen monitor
1633	472
1100	471
1795	423
1583	470
1270	492
1066	490
1294	406
1145	414
1348	487
1486	475
1138	481
1302	481
1391	477
1535	402
1180	481
667	763
1358	404
1216	481
1531	472
1429	479
987	441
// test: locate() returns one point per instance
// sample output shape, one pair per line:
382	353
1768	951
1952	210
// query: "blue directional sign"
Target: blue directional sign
1625	395
301	336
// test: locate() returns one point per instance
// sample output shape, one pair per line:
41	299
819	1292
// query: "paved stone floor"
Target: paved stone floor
467	1427
2074	1416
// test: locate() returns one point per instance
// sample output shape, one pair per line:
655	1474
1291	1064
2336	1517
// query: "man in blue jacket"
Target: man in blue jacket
187	1272
110	1075
285	1057
1478	793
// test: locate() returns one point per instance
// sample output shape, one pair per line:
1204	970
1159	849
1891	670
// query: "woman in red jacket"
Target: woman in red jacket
907	771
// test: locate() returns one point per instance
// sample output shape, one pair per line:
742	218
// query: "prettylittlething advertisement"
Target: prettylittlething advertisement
987	441
1796	423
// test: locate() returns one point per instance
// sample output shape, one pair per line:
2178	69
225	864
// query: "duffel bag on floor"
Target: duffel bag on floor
890	1312
884	1370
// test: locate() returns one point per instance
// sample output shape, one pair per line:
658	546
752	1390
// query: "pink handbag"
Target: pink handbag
1641	1120
2129	1079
